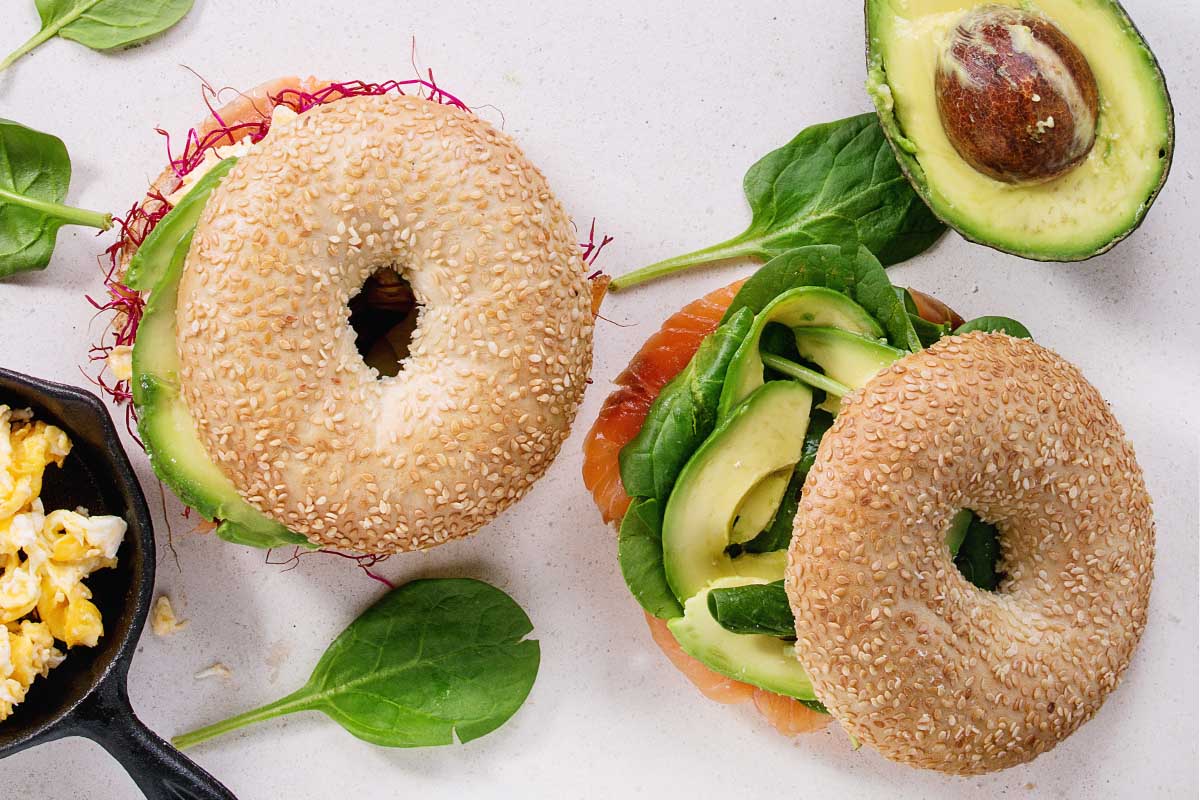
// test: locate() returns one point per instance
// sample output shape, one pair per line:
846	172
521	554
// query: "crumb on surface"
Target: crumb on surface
217	670
162	618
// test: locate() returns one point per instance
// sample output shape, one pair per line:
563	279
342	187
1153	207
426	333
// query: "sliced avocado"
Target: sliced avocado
166	427
153	257
806	306
758	507
763	661
763	435
1076	215
846	357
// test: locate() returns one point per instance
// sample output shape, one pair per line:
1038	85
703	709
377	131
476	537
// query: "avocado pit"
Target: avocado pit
1016	97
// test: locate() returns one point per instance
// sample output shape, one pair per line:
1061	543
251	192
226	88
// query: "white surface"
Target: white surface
644	115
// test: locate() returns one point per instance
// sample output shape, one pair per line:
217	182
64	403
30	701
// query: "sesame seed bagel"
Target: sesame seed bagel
909	656
282	400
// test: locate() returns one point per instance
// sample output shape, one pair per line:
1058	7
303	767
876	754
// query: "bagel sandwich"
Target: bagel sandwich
349	316
839	501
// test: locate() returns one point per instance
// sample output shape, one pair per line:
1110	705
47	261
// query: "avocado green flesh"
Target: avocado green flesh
846	357
1075	216
166	428
801	307
763	435
758	507
763	661
806	306
153	258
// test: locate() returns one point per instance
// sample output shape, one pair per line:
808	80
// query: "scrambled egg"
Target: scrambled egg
43	559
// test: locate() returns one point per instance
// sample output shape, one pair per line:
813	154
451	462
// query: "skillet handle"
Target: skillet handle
159	770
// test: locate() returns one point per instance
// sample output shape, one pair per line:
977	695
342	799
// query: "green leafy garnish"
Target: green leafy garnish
757	608
35	172
679	420
994	325
640	554
837	183
102	24
683	414
979	553
854	272
431	660
928	332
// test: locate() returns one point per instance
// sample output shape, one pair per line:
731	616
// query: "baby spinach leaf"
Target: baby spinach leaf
640	553
35	172
683	414
994	325
853	272
102	24
819	422
836	183
979	554
928	332
757	608
679	420
431	660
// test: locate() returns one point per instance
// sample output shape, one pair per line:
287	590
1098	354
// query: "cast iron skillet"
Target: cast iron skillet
86	695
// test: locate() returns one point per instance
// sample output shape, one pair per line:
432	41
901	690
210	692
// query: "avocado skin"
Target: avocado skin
912	169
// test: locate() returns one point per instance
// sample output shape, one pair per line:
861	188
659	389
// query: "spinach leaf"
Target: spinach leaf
35	172
995	325
682	416
640	554
979	554
102	24
836	183
853	272
679	420
755	608
431	659
928	332
818	423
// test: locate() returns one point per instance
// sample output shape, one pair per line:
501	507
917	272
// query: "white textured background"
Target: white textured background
644	115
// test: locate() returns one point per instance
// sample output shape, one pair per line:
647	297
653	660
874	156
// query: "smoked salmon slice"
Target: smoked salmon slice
712	685
662	357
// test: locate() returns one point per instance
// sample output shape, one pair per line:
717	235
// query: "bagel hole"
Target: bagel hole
979	549
384	315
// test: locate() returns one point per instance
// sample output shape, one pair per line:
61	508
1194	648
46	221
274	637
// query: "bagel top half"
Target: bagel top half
281	398
901	648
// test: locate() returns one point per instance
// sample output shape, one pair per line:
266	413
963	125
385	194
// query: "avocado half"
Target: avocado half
1078	215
